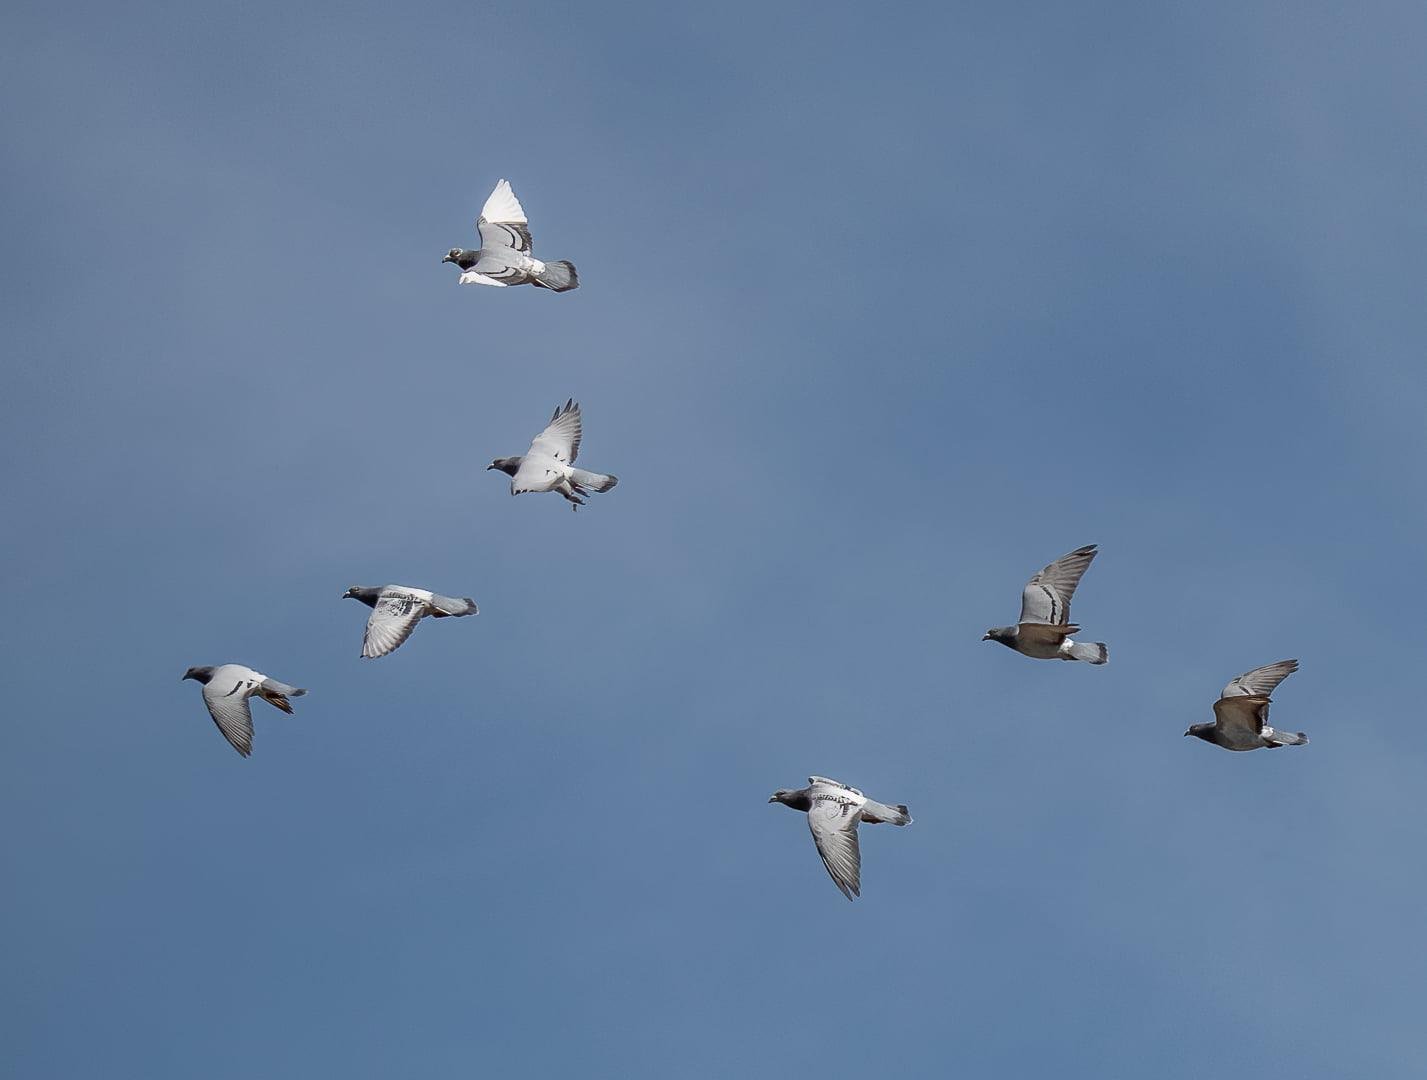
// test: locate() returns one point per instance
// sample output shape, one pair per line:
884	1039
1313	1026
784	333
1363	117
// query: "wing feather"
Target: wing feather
834	829
1261	681
391	622
502	223
1243	715
470	277
227	701
561	437
1046	598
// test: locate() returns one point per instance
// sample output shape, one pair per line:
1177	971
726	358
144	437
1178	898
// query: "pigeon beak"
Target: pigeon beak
1186	733
772	798
447	259
489	468
985	637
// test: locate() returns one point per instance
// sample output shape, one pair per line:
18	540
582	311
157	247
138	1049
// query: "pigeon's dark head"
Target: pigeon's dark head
798	800
202	674
453	255
1006	635
1201	731
507	465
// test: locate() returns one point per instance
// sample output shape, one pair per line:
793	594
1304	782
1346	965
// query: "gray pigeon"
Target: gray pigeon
549	463
396	609
226	690
504	257
1241	713
833	810
1044	629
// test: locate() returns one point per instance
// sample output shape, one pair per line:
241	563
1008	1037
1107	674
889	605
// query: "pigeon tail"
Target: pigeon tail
1284	738
558	277
448	605
1093	652
875	813
597	481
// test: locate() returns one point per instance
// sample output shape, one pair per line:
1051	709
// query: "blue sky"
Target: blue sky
881	311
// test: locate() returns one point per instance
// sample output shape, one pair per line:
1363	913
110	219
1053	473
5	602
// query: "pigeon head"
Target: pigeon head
202	674
367	594
1201	731
507	465
453	255
798	800
1006	635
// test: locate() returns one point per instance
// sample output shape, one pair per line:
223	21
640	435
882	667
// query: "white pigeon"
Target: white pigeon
505	256
1044	628
834	811
226	690
396	609
549	464
1241	713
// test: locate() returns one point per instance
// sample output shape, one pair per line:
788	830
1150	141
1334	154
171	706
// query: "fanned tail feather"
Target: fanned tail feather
1092	652
558	276
597	481
1285	738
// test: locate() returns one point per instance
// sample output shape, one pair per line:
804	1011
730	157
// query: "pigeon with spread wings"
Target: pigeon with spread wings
226	690
396	609
1241	713
834	811
1044	629
505	257
549	464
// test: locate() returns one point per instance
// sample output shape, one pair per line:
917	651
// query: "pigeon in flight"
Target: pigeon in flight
396	609
1044	629
226	690
504	257
833	810
1241	713
549	463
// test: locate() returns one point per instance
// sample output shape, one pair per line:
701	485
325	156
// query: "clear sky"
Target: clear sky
883	307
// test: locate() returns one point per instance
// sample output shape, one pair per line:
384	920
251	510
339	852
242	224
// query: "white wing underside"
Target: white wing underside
502	206
538	472
470	277
834	828
561	437
391	622
226	696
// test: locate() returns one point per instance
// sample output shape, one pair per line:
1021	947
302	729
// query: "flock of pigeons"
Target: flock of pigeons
834	810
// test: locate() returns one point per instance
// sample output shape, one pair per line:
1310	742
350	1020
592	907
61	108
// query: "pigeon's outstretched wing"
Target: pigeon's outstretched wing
1242	709
1046	599
1262	681
834	829
561	438
391	622
226	696
502	222
470	277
